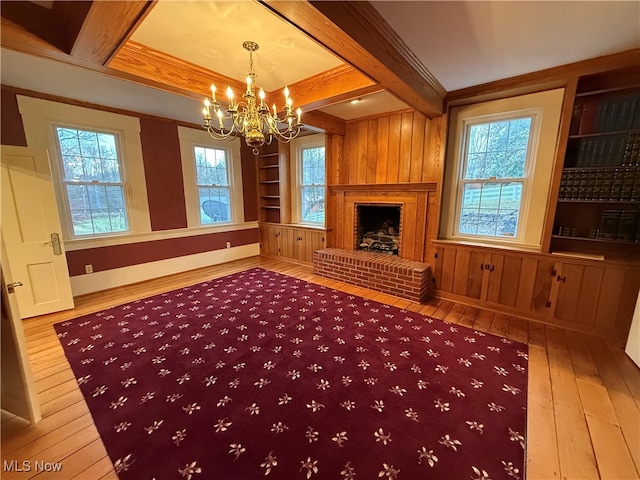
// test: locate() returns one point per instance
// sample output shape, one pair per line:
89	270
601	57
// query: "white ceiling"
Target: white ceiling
462	43
467	43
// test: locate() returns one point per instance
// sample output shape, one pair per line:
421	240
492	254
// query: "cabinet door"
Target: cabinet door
315	241
579	289
460	271
503	279
520	282
269	240
617	300
288	243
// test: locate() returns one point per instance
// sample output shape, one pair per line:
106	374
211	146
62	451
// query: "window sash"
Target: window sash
213	209
312	210
88	209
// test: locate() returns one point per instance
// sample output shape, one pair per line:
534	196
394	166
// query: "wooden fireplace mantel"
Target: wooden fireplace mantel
385	187
414	198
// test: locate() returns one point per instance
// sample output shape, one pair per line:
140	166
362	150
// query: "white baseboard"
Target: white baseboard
117	277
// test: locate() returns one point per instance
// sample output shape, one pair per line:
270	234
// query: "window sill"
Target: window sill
122	239
486	244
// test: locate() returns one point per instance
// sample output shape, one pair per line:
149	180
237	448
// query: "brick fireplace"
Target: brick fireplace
399	271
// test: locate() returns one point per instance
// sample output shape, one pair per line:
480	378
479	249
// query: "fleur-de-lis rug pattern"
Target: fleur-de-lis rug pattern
261	375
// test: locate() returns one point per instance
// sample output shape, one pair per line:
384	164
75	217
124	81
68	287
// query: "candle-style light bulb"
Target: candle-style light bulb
213	91
261	95
219	113
286	92
299	112
229	93
207	103
275	111
248	83
289	102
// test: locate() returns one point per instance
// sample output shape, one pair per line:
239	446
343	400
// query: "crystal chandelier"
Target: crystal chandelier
251	118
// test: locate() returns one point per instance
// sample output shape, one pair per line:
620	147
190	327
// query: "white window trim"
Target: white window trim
536	115
546	108
190	138
297	145
40	117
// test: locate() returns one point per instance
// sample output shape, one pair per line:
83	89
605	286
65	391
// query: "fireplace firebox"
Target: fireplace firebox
378	228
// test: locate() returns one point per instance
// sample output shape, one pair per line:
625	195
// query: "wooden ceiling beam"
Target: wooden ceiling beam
357	33
106	27
333	86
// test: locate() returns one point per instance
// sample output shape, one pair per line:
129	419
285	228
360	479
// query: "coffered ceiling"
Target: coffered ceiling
390	55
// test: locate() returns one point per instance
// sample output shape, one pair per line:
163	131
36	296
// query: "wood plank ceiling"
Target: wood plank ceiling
96	35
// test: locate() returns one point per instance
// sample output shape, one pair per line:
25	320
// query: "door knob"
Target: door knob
12	286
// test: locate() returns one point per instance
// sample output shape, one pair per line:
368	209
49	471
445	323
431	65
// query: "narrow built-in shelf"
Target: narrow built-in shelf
617	202
269	196
270	207
269	166
616	167
263	155
606	90
270	181
595	240
602	134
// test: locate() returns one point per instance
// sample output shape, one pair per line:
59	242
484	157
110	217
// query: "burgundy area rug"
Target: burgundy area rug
261	375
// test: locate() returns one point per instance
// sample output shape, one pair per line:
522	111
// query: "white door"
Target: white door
18	394
31	233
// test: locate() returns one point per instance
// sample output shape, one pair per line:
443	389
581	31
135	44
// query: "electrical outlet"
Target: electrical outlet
228	244
88	268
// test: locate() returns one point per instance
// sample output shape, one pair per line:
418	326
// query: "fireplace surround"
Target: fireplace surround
405	274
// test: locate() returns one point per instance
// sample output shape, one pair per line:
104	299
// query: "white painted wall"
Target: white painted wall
633	341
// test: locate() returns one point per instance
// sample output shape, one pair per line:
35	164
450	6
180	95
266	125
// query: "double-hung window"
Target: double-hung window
494	177
93	181
500	157
310	180
212	178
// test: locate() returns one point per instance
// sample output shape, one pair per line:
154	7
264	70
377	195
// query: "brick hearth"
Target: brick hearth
383	273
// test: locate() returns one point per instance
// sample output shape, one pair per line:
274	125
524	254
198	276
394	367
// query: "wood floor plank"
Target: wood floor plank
454	315
483	321
500	325
469	316
542	449
98	469
577	458
625	407
614	458
596	401
79	461
518	330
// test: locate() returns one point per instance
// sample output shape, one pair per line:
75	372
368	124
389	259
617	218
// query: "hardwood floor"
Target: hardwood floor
583	404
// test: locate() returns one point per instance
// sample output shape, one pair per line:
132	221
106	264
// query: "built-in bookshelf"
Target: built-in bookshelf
598	208
272	182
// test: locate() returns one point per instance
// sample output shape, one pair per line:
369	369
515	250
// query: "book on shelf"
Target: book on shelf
628	225
609	223
599	115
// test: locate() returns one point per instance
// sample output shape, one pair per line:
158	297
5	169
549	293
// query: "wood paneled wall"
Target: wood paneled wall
399	147
393	149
